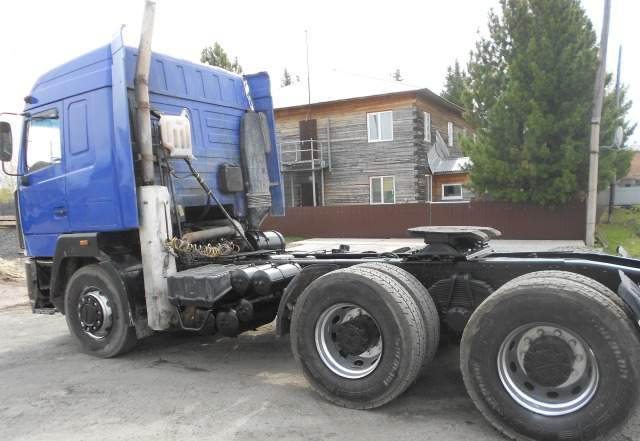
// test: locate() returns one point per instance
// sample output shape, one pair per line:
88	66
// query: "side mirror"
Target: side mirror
6	142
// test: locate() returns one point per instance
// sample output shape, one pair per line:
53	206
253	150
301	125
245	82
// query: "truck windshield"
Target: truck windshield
43	143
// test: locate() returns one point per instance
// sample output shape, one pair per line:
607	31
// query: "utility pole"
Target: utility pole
306	45
594	144
612	186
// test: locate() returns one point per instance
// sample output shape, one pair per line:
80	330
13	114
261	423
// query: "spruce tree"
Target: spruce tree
614	163
529	95
286	78
217	56
455	84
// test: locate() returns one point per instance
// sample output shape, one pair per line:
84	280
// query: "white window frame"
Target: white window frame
428	188
382	202
452	198
427	126
450	133
379	138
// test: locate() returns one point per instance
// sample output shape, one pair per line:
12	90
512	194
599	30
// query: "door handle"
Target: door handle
60	211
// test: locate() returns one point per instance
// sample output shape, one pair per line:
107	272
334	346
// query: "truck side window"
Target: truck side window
43	142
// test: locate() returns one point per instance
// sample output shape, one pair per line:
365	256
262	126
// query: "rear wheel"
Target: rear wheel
359	338
423	300
97	312
578	278
553	359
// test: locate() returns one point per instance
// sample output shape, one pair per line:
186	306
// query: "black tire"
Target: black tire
423	299
121	336
401	330
604	327
578	278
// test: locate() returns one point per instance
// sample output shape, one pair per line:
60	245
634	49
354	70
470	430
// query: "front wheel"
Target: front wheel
550	358
97	312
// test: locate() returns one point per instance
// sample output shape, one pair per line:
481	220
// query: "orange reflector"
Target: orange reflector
84	242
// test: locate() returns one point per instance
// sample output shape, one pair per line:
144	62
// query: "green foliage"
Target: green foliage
6	195
455	85
7	187
286	78
530	87
614	164
217	56
624	230
291	239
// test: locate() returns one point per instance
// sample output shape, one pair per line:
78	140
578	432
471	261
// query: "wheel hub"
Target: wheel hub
95	314
357	335
548	369
549	361
348	340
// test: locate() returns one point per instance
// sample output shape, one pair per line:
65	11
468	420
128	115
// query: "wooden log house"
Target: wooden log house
387	148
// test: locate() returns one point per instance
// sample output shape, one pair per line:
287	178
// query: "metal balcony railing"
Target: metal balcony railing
305	155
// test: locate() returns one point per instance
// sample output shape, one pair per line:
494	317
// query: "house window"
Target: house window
380	126
428	189
427	126
450	133
451	192
382	190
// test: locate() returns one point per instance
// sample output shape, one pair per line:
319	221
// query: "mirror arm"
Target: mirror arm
4	170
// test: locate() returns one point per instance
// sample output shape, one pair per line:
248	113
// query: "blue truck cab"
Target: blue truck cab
78	155
85	207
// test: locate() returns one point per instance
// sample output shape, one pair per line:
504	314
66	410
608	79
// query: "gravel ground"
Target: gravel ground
9	243
180	386
11	257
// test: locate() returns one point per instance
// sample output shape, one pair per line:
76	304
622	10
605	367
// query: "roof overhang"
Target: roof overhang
422	93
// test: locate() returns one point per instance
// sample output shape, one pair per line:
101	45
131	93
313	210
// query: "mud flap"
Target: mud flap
629	291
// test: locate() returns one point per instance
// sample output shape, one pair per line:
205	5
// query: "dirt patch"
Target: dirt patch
11	257
11	270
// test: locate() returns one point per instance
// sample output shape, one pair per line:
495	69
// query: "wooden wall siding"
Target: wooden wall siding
354	160
440	116
439	180
337	108
421	148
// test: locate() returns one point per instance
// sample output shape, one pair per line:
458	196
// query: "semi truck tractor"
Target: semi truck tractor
142	185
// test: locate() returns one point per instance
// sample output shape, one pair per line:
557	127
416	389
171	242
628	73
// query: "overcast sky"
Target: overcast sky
421	38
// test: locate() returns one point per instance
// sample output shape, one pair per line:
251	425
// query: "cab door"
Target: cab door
42	188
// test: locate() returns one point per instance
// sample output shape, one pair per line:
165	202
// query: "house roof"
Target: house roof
334	86
442	161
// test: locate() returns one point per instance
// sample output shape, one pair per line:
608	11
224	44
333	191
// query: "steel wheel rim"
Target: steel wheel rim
94	314
570	395
350	366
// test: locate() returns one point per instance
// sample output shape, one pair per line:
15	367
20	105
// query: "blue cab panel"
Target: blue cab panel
85	110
